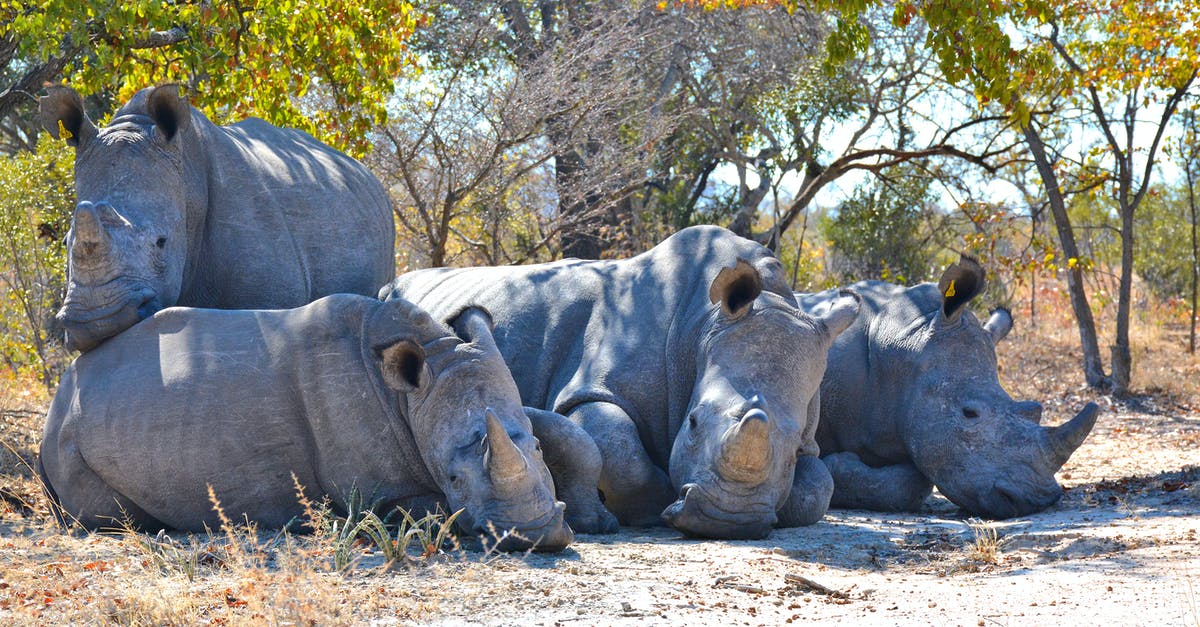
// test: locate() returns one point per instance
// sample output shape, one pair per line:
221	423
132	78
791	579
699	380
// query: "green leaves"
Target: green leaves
324	66
32	229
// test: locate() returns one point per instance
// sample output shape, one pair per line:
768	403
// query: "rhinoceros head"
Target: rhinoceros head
466	416
126	247
984	451
759	366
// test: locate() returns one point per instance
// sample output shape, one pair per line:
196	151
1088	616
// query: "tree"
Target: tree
607	71
883	231
32	258
238	58
459	151
1112	63
1189	154
816	115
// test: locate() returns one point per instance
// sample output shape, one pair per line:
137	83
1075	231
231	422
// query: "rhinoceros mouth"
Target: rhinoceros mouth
79	311
1008	501
547	533
88	326
696	513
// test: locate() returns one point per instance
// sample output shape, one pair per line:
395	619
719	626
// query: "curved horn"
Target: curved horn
746	449
504	460
1065	438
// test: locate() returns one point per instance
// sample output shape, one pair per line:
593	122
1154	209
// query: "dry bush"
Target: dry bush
1042	360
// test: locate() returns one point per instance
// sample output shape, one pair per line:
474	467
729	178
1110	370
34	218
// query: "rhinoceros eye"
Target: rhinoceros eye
970	412
692	422
161	243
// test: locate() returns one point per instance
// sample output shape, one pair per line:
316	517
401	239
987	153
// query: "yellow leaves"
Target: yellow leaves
1072	262
950	291
63	133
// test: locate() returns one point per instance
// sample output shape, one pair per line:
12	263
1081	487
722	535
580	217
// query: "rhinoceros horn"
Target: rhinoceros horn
91	240
746	450
504	461
1065	438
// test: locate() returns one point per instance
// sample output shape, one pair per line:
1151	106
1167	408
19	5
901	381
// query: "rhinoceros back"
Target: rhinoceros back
288	220
575	331
242	399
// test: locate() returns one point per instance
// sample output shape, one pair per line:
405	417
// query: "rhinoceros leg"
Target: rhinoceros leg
634	488
575	464
809	498
82	496
895	488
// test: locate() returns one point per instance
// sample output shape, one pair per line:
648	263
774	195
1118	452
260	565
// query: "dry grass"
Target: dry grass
343	573
986	547
236	575
1042	359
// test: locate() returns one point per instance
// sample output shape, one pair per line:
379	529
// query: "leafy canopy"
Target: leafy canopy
245	58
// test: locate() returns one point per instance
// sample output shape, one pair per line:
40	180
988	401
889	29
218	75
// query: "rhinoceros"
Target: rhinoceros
347	393
690	366
911	399
174	210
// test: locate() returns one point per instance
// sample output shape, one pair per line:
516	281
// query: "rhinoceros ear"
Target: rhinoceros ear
61	113
736	288
403	366
169	110
959	284
998	324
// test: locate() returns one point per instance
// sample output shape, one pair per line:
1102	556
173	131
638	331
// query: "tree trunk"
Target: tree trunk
1093	368
1191	183
1122	357
582	237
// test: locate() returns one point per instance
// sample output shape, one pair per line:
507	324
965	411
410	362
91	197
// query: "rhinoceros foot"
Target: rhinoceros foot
808	500
593	519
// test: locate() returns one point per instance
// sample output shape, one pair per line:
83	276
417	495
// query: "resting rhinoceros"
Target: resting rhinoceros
347	392
911	399
690	366
174	210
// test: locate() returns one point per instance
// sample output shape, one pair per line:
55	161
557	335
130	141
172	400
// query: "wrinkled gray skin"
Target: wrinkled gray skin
689	365
345	392
174	210
911	399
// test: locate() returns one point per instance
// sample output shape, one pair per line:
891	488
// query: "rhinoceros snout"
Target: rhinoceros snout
698	515
1007	500
553	535
85	327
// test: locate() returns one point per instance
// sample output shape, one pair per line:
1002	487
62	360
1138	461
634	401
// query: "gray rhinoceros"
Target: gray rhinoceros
911	399
174	210
690	366
347	392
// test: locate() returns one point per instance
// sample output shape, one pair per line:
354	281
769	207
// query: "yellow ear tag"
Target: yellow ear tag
63	133
950	290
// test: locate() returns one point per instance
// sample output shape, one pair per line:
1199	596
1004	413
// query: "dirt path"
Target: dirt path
1121	548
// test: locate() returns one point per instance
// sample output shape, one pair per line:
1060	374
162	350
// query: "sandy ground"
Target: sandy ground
1121	548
